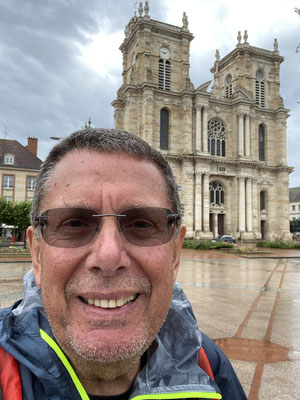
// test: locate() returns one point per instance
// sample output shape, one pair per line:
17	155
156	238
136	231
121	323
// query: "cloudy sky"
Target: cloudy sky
60	61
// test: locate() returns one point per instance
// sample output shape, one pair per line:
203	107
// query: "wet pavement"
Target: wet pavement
250	305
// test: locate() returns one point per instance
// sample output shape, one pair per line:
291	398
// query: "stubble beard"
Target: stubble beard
98	361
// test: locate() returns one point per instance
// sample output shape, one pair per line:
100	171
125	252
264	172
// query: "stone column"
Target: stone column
147	117
255	207
206	202
187	125
215	225
198	202
187	195
204	135
249	209
241	134
241	204
198	129
247	135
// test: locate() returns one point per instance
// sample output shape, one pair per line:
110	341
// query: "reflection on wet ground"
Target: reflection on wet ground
249	306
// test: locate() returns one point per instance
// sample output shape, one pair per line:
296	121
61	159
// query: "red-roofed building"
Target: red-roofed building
19	166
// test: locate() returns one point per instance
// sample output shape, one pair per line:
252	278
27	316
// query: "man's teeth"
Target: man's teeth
110	303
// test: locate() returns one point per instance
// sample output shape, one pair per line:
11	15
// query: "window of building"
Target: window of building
293	208
8	182
9	159
216	191
262	201
261	142
164	129
31	182
298	208
164	74
228	88
8	198
216	137
260	88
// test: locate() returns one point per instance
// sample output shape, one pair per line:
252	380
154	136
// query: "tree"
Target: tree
6	212
21	218
295	225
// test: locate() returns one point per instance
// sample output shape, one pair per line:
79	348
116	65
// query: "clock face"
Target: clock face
164	53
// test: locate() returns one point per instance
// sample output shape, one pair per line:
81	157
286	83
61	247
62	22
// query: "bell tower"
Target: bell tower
156	84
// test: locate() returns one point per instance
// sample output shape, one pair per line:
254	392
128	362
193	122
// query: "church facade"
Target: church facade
225	140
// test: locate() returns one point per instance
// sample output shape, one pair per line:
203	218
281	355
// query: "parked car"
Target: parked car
225	238
296	236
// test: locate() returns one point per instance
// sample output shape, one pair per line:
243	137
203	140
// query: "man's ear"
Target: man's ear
35	254
177	250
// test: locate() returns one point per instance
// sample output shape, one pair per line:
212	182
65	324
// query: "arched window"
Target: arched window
261	142
216	137
228	88
216	192
164	129
260	88
262	200
164	74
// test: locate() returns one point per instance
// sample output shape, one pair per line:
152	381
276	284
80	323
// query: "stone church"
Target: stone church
226	139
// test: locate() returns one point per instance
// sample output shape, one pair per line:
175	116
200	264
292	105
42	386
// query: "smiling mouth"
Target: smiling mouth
112	303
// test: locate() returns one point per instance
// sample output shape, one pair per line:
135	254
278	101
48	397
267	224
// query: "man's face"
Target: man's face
108	268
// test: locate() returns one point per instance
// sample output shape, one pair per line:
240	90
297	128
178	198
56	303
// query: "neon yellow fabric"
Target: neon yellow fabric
182	395
66	363
84	395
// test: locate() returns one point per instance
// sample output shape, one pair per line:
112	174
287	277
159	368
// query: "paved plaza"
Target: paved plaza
249	306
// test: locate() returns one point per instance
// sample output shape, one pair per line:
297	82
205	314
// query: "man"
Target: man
97	320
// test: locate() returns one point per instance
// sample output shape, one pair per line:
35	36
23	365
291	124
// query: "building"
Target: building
19	166
227	145
294	203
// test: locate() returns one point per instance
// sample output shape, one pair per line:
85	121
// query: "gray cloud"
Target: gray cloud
46	90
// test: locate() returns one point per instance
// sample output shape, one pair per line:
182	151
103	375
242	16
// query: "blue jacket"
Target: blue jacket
172	359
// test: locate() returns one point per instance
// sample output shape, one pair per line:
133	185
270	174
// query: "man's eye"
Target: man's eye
74	223
139	224
142	224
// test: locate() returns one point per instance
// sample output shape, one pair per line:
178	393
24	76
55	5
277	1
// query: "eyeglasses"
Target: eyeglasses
77	227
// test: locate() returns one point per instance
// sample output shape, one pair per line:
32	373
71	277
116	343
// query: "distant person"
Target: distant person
102	316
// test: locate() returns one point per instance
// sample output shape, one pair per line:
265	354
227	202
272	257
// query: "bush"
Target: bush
205	245
276	244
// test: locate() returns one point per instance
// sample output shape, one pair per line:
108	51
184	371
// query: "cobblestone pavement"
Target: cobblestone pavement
250	306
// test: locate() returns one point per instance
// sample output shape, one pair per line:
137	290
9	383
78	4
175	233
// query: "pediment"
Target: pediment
243	94
203	88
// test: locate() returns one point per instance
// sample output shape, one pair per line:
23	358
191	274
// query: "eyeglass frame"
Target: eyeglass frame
169	213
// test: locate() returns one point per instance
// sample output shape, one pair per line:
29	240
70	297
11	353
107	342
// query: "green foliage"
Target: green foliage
21	212
205	245
295	225
16	214
6	212
278	245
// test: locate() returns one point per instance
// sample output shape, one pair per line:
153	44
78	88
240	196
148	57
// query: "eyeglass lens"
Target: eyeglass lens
76	227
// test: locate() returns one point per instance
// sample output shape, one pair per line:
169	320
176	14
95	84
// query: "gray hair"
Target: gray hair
108	140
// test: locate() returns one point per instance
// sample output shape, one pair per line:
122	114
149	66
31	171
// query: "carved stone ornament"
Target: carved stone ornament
218	107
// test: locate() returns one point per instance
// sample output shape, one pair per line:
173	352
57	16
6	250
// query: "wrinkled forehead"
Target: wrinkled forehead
94	168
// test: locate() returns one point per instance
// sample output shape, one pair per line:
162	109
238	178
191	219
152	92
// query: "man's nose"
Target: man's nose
107	251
